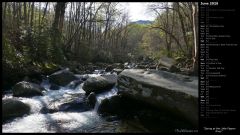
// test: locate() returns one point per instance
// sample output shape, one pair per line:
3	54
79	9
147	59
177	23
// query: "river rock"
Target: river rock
118	65
141	66
117	70
69	103
169	63
54	87
121	105
129	65
166	61
74	106
27	89
99	83
110	105
174	92
152	66
163	68
109	68
82	77
74	83
13	108
91	99
174	69
62	77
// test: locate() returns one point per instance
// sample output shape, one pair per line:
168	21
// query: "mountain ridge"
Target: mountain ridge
142	22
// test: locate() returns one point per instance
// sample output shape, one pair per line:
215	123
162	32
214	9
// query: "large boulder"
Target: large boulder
27	89
169	91
13	108
125	107
169	64
62	77
121	105
99	83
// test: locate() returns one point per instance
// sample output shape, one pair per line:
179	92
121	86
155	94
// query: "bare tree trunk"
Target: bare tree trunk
14	10
168	42
59	16
4	16
106	25
39	19
56	31
195	35
182	26
10	14
25	13
20	11
29	8
32	16
61	19
44	13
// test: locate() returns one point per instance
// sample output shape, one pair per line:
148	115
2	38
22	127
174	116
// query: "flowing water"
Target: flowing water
104	95
65	111
36	121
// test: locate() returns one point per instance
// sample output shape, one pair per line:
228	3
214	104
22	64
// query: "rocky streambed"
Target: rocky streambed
107	101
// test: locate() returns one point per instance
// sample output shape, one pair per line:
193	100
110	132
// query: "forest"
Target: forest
82	38
37	36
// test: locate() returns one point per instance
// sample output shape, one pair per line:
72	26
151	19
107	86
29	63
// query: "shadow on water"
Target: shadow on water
53	124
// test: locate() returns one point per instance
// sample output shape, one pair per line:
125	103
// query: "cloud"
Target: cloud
138	11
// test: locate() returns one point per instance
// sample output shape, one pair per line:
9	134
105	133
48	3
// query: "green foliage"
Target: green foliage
44	42
102	56
9	52
56	47
84	54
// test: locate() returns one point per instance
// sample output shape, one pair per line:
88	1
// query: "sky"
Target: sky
138	10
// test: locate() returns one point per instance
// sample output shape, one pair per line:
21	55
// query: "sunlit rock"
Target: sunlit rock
99	83
164	90
27	89
62	77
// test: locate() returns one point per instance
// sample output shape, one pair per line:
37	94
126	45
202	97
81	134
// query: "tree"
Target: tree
59	15
178	21
195	35
56	32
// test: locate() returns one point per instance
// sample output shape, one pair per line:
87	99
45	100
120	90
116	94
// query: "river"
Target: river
73	121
